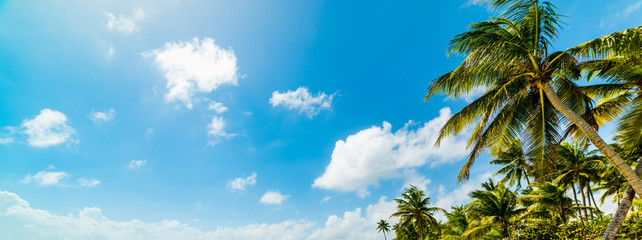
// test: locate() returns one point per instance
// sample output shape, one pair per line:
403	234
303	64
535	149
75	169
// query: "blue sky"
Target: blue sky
223	119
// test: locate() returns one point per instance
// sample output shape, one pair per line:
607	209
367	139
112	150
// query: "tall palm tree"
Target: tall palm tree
495	211
516	165
413	208
384	227
617	58
528	88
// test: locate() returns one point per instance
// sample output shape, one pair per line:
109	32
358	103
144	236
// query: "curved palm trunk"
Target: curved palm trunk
384	235
622	209
592	135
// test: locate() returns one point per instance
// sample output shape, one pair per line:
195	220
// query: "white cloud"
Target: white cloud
216	130
83	182
631	8
105	116
6	140
50	177
325	199
47	178
111	51
416	179
273	198
149	131
18	220
356	225
239	184
124	24
302	101
136	164
192	67
215	106
377	153
48	129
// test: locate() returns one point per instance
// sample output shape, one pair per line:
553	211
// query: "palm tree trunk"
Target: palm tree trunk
583	199
592	196
592	135
384	235
576	202
588	200
421	230
622	209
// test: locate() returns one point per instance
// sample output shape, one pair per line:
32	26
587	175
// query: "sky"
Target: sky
186	119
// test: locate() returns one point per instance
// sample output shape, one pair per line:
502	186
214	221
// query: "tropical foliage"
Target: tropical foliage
539	125
539	122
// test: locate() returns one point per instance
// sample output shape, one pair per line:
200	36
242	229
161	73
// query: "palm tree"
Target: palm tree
495	211
384	227
413	209
618	58
552	201
577	166
527	87
516	165
457	224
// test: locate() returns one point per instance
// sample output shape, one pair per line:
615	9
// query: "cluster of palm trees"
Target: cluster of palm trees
502	210
533	102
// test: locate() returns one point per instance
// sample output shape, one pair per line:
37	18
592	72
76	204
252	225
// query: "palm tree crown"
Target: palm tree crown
413	209
384	227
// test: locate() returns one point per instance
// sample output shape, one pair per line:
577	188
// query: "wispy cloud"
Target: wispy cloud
47	178
302	101
634	7
124	24
136	164
50	177
104	116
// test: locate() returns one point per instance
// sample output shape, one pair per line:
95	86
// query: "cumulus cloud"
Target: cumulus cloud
124	24
192	67
272	197
302	101
377	153
136	164
239	184
18	220
47	178
357	225
104	116
49	128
